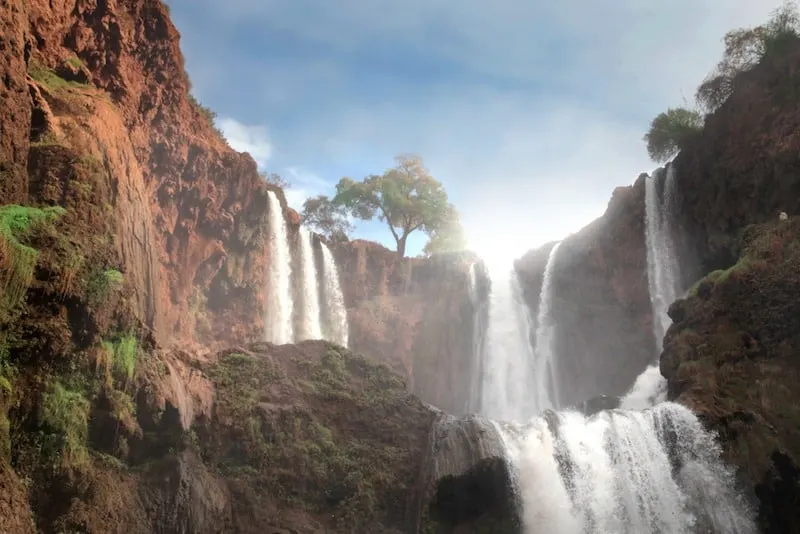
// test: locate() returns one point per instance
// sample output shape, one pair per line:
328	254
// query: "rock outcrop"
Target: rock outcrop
602	306
415	314
733	356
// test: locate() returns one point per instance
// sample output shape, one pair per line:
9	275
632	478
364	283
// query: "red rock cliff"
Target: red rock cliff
105	80
415	314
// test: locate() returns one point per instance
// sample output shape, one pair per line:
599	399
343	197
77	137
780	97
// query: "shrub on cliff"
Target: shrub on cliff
407	198
669	130
744	49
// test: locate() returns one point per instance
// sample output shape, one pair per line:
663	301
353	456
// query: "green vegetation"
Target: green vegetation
65	414
120	357
407	198
17	260
101	283
326	218
744	49
293	449
669	130
49	79
74	62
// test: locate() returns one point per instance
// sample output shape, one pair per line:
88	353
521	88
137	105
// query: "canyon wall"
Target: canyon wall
415	314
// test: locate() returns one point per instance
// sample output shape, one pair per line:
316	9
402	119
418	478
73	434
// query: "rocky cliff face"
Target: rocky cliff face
416	315
733	356
602	306
105	82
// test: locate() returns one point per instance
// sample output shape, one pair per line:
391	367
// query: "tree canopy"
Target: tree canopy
406	197
744	49
448	237
669	130
326	218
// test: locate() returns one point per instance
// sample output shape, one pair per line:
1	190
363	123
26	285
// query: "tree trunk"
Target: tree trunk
401	246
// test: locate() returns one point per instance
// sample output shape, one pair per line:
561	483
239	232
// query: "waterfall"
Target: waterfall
662	265
623	472
310	327
508	359
279	295
663	274
335	324
480	319
546	384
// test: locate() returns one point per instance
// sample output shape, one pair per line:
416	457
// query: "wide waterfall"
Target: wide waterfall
310	326
279	295
335	327
546	364
508	366
618	472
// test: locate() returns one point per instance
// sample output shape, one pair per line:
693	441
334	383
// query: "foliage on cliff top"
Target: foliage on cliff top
332	434
406	197
669	130
744	49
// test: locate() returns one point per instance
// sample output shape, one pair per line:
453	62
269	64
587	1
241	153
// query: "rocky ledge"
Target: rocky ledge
733	356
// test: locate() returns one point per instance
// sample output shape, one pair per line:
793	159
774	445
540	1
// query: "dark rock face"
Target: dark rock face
733	356
468	479
601	307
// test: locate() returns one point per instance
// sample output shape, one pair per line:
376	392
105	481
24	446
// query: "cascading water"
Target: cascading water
508	370
546	384
654	471
335	324
663	274
310	312
662	266
480	319
278	325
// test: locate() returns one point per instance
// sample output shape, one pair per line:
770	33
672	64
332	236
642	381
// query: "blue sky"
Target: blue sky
530	112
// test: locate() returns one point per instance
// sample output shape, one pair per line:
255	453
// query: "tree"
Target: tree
407	198
669	130
449	237
326	218
744	49
275	179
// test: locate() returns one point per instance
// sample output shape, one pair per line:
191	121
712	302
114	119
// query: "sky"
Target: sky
530	112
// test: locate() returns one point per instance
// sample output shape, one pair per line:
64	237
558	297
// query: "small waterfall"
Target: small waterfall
278	325
662	266
310	327
480	319
335	324
546	383
623	472
508	359
663	273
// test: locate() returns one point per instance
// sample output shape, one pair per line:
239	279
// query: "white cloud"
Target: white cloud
245	138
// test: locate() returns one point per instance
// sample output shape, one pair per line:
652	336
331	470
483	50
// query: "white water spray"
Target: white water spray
508	359
546	384
310	312
656	471
335	325
278	325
